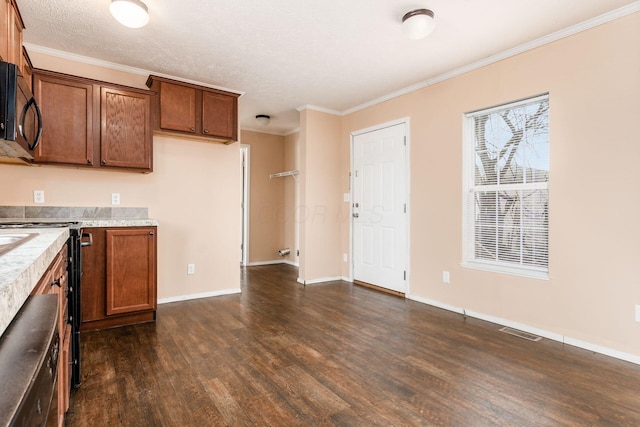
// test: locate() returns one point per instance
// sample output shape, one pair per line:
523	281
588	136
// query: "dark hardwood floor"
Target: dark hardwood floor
281	354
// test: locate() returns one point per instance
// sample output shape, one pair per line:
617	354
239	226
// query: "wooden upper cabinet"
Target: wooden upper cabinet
66	106
125	133
11	27
5	28
191	110
178	110
93	124
219	115
27	68
15	35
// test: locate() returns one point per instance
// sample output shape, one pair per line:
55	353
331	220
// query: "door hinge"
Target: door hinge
405	141
405	275
356	174
405	208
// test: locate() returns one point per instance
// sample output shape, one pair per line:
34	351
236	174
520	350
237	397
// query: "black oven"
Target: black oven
74	270
20	119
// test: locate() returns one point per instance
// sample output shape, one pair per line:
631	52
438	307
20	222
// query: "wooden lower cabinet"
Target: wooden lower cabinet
119	277
55	281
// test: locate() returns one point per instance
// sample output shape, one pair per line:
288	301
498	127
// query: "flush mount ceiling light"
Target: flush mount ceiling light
418	23
130	13
263	119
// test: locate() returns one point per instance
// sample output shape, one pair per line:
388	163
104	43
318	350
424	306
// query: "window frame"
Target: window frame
470	188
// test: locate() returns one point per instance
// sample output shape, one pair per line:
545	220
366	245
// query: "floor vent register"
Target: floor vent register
521	334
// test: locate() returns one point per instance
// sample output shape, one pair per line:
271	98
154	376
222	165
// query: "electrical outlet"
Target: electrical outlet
115	198
345	257
38	196
191	268
637	313
445	277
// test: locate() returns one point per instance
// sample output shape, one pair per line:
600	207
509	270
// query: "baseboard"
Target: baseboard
627	357
198	296
320	280
272	262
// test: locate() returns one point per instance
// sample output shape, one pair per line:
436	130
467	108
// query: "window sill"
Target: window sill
504	269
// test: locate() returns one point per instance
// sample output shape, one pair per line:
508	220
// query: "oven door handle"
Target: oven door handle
87	243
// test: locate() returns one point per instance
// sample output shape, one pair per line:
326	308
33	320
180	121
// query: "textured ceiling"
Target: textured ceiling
287	53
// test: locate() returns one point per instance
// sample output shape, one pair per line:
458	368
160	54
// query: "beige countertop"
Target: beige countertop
22	267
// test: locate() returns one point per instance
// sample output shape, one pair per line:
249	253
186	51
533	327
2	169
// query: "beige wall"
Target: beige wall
266	206
594	83
592	78
320	196
193	192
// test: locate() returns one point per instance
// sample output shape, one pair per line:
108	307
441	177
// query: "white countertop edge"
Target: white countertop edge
23	266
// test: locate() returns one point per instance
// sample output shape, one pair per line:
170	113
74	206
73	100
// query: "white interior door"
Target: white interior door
379	198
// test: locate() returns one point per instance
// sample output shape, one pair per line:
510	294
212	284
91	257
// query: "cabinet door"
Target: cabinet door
5	29
27	67
64	373
131	270
125	136
219	117
92	292
67	112
15	35
177	107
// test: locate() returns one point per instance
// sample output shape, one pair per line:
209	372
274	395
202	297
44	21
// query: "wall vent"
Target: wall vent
521	334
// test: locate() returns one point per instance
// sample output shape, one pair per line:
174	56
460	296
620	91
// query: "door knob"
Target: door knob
356	215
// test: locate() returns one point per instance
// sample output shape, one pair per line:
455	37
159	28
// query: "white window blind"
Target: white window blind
506	188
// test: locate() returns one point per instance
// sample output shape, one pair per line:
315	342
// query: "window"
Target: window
506	188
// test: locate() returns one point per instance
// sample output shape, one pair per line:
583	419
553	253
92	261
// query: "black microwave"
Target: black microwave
20	119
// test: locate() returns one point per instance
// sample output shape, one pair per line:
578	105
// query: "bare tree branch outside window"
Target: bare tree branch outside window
511	199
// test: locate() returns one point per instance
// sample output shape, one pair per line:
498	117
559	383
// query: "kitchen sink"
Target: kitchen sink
13	240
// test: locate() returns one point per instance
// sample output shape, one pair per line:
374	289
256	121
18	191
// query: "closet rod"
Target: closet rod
282	174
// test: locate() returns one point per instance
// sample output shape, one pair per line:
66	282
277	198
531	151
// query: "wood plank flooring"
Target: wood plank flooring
281	354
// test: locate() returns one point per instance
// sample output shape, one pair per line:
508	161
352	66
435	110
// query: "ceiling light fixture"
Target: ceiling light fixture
263	119
130	13
418	23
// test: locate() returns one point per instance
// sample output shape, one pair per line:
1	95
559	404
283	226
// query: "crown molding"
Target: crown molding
550	38
117	67
320	109
268	132
292	131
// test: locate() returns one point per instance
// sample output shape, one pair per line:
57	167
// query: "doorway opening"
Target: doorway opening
244	204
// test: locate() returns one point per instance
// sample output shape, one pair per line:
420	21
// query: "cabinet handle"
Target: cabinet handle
104	162
88	236
206	131
193	129
151	233
56	282
89	161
